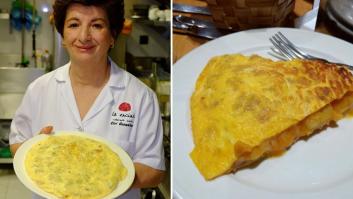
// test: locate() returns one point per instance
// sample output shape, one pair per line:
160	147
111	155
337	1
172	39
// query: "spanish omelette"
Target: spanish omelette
246	108
74	167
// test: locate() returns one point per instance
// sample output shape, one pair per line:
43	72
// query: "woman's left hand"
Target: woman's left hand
147	176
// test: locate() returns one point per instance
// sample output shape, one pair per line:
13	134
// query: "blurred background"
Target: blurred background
205	20
30	47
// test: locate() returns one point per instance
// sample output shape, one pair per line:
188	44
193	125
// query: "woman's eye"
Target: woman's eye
97	26
73	25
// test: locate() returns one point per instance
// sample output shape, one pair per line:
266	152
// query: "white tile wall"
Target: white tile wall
16	189
157	46
11	42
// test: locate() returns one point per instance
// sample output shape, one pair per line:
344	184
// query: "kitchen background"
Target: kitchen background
143	50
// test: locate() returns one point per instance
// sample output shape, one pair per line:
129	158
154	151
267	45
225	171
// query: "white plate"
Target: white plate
321	167
20	170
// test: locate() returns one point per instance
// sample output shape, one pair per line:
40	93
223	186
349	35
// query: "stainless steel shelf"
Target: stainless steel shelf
4	15
142	20
6	160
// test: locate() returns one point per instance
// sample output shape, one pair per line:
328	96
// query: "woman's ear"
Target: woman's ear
114	34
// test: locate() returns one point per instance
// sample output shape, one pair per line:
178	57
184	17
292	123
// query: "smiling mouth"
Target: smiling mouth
84	48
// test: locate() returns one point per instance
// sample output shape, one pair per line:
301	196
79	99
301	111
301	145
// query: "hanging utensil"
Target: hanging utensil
34	15
191	9
193	28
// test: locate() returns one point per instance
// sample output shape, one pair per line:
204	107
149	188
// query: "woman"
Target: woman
91	93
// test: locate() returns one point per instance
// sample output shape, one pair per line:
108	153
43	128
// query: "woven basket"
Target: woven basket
247	14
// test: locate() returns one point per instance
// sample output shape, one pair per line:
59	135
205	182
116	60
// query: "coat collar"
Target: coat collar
117	79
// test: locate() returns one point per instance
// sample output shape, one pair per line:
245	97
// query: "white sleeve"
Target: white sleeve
149	140
21	123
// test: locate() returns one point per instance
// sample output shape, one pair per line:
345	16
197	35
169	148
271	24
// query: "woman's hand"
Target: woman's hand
147	176
45	130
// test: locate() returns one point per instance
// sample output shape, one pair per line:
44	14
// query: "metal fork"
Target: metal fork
285	48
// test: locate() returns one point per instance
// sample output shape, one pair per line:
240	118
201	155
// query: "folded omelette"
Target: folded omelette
246	108
74	167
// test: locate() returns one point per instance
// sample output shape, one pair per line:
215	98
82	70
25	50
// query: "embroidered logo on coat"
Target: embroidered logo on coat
125	107
123	116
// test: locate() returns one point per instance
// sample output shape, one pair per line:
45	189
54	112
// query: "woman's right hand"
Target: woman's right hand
45	130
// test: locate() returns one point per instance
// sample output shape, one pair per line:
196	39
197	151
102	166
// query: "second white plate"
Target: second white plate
321	167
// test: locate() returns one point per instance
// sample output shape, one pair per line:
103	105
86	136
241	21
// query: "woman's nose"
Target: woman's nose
85	34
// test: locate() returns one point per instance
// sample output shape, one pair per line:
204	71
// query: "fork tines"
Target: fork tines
284	48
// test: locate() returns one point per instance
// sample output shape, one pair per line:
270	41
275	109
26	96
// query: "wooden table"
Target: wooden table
182	44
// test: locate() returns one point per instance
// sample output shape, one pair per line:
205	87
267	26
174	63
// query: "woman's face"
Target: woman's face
86	34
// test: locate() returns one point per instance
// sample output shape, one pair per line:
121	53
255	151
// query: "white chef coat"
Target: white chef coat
126	112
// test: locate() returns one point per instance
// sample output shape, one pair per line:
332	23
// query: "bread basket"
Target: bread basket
247	14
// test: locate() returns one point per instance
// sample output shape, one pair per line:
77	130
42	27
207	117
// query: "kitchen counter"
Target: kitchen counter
182	44
10	186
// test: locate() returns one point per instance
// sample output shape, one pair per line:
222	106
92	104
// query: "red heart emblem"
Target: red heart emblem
124	107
